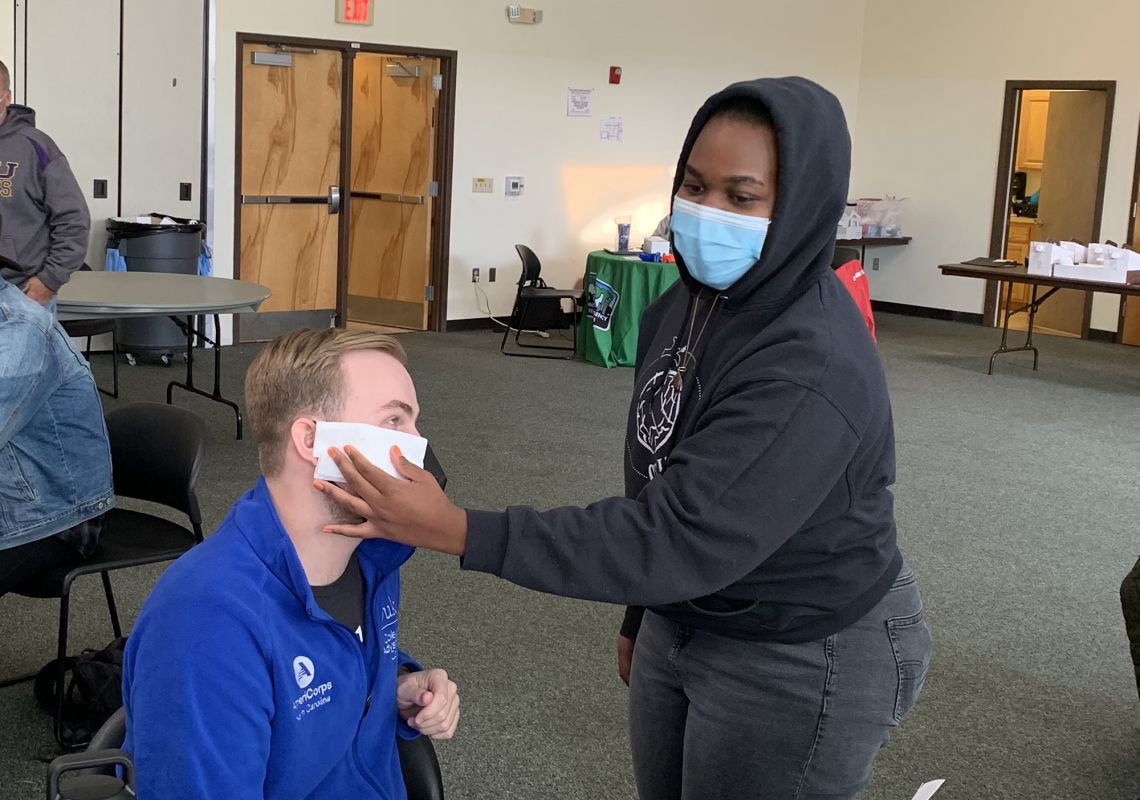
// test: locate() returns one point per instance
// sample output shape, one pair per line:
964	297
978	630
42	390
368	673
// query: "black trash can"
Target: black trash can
147	247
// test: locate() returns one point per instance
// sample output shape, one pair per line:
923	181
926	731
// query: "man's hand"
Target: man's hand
414	511
429	702
625	657
35	289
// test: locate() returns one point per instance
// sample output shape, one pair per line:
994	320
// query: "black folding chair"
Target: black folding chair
156	453
531	287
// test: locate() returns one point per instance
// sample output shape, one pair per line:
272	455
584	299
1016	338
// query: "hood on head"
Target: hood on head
814	151
18	117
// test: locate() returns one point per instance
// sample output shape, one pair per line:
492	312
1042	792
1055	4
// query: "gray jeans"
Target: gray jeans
712	716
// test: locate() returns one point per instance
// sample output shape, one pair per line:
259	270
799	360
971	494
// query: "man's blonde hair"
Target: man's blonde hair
298	374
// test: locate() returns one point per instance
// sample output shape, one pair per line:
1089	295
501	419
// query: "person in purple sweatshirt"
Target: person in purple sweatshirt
776	635
44	221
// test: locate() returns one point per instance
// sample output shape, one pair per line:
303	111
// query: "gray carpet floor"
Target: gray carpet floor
1017	506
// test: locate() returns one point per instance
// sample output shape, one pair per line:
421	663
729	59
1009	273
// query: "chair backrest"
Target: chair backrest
531	268
112	733
156	452
420	768
842	255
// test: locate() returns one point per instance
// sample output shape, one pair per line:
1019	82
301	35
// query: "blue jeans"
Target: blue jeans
712	716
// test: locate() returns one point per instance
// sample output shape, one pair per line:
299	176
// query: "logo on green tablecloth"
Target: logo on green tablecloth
603	300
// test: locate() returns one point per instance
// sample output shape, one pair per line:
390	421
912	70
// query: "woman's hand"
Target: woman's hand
415	512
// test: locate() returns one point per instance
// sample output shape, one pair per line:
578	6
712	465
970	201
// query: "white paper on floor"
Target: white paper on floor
927	790
374	442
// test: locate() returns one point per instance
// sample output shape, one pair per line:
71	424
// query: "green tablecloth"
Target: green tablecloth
618	290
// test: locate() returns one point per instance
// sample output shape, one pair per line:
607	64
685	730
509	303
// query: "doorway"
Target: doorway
393	189
1051	175
342	205
1130	306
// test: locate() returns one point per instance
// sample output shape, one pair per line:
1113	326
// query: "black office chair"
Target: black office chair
80	328
532	287
96	778
156	452
842	255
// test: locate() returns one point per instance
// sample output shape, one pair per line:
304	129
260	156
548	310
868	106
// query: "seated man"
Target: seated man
264	664
55	462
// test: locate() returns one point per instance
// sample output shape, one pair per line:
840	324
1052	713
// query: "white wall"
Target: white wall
929	125
72	82
511	108
162	109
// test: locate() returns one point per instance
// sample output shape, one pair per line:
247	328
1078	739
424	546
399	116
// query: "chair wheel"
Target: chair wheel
166	359
130	358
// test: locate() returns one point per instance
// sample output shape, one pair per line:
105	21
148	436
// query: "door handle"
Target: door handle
410	199
334	199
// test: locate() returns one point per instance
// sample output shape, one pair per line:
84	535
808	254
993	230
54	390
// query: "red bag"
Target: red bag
854	278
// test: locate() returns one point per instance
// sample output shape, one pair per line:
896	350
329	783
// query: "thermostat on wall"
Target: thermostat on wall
523	16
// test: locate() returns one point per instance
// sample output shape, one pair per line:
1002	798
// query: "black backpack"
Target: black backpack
93	690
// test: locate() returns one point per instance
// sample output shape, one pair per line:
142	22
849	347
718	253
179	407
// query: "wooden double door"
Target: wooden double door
342	189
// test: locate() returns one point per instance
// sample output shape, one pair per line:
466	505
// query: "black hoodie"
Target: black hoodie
757	486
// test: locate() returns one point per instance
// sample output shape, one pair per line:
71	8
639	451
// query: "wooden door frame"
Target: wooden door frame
1006	153
440	239
1128	232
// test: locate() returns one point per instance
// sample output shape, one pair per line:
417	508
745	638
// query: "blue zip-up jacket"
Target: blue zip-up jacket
239	686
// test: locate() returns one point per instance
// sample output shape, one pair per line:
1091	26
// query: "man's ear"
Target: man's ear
302	433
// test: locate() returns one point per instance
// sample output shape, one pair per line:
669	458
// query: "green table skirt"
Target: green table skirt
618	290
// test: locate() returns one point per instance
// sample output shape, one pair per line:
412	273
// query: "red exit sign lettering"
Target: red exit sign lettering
354	12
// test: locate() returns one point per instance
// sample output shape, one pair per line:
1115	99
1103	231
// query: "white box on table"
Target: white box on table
1097	253
1122	255
1110	272
1080	252
1044	255
655	244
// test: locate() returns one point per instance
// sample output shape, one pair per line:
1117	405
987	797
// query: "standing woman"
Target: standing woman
784	636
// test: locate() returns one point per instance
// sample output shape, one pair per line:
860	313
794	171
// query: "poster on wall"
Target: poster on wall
612	129
579	102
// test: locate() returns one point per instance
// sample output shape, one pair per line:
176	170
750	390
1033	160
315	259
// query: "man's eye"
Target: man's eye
743	199
692	188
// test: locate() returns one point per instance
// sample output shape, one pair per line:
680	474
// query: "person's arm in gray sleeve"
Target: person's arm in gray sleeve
69	222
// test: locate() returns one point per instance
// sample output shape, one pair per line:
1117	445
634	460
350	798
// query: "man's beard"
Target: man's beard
338	514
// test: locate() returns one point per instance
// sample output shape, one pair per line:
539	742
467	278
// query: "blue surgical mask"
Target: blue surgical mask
718	246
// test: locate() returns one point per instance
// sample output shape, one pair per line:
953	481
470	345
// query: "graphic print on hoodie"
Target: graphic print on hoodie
44	221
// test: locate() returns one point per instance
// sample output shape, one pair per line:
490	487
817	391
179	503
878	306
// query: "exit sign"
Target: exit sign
354	12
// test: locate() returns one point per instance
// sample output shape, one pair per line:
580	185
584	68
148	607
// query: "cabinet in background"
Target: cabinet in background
1017	249
1031	127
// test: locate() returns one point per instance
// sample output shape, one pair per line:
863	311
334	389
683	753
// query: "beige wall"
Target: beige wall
921	83
511	108
72	82
929	124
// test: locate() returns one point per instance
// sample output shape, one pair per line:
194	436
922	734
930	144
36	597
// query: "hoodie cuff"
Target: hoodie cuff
50	280
409	664
632	622
487	536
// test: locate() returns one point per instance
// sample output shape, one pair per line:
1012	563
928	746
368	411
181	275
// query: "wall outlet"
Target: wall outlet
874	263
184	191
483	185
475	275
491	275
514	185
